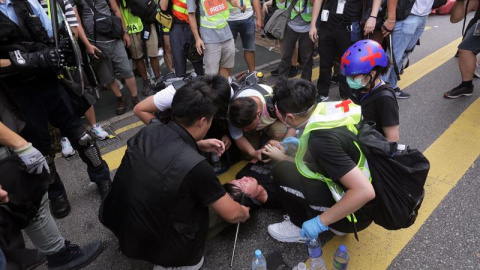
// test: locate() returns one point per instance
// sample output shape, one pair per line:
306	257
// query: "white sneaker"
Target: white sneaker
67	149
99	133
286	231
477	71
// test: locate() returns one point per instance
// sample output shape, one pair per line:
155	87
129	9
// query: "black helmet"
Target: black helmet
190	52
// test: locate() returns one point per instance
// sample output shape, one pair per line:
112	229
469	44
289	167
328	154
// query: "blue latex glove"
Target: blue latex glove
311	228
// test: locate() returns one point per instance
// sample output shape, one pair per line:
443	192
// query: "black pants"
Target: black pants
333	41
43	100
181	34
303	198
305	47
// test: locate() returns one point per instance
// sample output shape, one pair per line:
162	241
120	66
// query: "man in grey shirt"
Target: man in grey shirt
107	53
214	38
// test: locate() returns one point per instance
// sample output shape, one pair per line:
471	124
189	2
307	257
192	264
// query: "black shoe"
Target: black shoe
121	106
335	78
73	256
274	72
401	94
459	91
293	72
103	188
60	206
25	258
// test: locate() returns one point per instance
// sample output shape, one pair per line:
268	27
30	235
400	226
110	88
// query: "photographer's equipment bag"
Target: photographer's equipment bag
106	25
398	178
278	21
147	10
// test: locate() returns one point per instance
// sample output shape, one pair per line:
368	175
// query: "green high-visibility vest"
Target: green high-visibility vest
299	9
216	20
329	115
133	23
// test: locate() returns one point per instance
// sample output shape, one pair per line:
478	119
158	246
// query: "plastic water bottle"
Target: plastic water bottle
259	262
217	166
340	259
315	254
300	266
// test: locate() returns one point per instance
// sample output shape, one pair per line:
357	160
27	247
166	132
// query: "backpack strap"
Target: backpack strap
266	95
382	91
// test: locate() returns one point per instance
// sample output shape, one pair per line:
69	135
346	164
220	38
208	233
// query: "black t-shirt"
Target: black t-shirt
203	185
333	153
383	111
352	12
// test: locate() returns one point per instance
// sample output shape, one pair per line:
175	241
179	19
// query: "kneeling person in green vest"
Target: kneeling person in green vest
253	119
330	189
159	203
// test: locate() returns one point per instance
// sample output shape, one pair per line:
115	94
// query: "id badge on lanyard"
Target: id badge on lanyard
341	6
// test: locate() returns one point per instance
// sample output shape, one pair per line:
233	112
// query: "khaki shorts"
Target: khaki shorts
136	44
219	55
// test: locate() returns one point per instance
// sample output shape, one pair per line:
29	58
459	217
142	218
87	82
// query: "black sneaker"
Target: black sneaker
459	91
74	257
293	72
401	94
121	106
274	72
60	206
103	188
135	101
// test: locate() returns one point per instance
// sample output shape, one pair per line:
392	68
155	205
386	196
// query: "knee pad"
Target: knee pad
88	150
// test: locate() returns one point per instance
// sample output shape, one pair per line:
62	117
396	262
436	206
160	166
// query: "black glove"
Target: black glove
49	58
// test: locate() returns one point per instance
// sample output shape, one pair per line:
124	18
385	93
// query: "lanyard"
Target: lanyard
371	90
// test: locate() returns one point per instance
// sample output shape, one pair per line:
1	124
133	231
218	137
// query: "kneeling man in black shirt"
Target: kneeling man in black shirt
334	162
158	206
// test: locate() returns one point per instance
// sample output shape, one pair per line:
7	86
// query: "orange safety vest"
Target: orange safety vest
180	10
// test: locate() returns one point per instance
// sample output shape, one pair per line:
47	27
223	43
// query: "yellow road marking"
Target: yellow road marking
427	64
128	127
114	158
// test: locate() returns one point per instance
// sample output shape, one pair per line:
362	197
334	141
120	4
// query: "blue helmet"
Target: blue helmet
362	57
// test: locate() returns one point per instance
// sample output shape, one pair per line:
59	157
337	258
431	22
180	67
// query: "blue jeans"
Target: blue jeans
404	38
246	29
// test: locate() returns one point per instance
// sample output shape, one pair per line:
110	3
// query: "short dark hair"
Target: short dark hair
220	85
294	95
242	111
236	194
193	101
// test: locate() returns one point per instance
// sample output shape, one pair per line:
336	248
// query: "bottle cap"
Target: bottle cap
342	248
302	266
258	253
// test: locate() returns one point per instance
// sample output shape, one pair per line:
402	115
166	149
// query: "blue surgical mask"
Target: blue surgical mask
355	83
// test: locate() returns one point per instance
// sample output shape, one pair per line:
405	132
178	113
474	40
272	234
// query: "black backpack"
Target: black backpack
145	9
398	178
